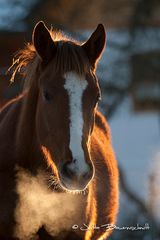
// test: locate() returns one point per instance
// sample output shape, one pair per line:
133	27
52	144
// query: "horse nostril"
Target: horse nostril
74	178
88	175
67	172
74	160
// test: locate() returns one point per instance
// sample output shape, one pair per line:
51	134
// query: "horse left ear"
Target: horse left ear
95	45
43	43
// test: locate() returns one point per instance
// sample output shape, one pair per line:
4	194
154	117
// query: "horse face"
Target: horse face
66	107
65	119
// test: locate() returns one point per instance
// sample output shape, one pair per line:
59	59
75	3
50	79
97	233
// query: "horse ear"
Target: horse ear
94	46
43	43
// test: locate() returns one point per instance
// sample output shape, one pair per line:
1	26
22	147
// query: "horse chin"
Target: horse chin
72	186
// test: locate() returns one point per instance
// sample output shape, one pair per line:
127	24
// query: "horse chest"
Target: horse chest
38	206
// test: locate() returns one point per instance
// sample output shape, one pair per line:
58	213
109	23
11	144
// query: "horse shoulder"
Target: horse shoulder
8	196
8	122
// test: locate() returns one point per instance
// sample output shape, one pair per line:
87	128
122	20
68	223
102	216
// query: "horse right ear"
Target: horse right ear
43	43
95	45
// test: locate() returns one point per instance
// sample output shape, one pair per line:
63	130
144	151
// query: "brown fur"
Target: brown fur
20	145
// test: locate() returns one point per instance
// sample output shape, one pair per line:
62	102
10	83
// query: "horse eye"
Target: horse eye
46	95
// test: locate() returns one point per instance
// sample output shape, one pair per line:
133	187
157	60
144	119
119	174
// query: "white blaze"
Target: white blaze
75	86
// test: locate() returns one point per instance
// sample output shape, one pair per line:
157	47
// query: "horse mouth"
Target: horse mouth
73	186
60	183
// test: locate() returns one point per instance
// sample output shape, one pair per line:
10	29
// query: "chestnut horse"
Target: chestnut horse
58	172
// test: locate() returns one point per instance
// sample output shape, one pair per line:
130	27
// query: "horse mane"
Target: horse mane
70	56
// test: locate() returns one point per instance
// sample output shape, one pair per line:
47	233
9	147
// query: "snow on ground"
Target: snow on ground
136	139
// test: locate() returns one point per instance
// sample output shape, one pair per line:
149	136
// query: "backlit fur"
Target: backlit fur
25	161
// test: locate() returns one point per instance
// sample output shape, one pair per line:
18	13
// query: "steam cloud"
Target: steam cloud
40	206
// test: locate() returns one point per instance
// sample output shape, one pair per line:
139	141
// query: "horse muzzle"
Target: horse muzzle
73	179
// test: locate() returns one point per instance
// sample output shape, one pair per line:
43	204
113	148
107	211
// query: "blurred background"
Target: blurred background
129	74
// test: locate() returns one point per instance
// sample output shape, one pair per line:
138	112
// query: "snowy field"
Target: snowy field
136	140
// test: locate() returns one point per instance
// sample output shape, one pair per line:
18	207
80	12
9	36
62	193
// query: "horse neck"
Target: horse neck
26	140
